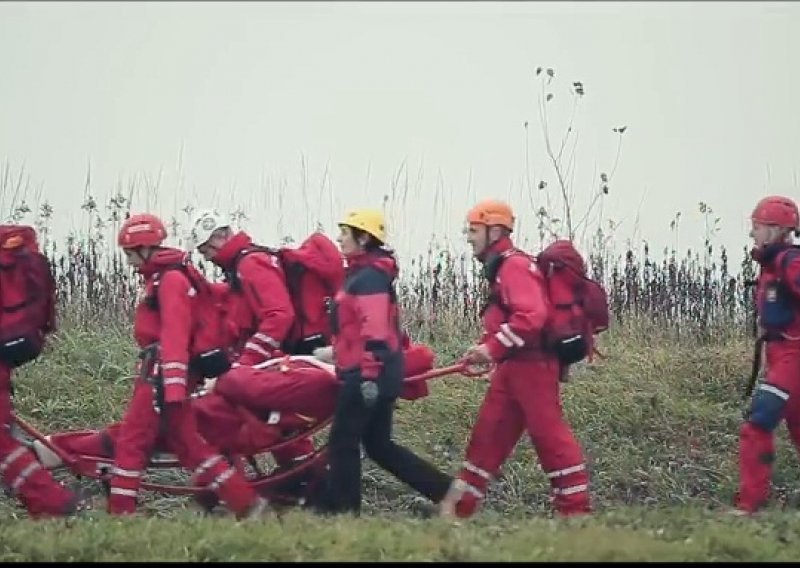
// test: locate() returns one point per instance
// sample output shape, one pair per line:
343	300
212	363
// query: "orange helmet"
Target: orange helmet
142	230
492	212
777	210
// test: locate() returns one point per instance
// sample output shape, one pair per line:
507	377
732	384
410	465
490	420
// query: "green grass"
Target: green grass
625	534
658	419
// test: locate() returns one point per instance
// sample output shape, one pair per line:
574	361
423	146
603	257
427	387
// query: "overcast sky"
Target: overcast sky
232	99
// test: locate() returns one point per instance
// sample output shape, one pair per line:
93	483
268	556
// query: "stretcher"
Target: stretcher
286	485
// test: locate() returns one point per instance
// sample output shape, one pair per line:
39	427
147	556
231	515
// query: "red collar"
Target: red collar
227	254
497	248
161	259
381	259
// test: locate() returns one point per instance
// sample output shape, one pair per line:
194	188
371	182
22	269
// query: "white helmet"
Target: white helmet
204	223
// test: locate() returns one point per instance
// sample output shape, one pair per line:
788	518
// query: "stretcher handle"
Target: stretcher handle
459	368
68	459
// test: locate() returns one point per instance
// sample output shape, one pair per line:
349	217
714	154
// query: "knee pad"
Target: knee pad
766	410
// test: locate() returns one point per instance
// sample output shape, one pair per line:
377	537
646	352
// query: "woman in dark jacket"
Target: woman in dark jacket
369	361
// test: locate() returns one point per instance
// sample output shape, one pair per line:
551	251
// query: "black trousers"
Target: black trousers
354	423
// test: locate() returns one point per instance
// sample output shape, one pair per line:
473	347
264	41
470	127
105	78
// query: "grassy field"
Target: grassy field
658	418
627	534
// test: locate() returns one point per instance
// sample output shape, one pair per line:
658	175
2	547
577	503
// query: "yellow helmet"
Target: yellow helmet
368	220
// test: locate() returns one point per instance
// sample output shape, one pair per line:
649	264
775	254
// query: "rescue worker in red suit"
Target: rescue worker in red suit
298	387
369	362
22	474
777	397
169	333
261	312
524	388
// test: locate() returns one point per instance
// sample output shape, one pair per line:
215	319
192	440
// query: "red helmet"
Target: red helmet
777	210
143	230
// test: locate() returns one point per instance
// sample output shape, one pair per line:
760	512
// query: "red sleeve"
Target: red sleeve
522	292
175	296
373	312
265	290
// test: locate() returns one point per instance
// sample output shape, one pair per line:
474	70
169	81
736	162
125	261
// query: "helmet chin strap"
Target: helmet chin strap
138	252
144	257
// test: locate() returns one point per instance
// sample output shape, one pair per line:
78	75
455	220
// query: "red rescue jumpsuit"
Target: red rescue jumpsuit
776	398
141	423
523	394
22	473
261	315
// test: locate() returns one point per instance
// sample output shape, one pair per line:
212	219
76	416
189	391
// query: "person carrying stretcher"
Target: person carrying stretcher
178	345
367	349
275	298
27	318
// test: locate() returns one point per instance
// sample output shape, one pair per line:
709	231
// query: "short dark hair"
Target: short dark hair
372	242
225	231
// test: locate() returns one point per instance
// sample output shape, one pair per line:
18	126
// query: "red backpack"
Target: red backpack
579	304
209	356
27	296
314	273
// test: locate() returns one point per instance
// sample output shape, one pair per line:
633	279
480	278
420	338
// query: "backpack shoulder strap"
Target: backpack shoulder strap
232	275
782	265
785	257
256	248
152	300
492	267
